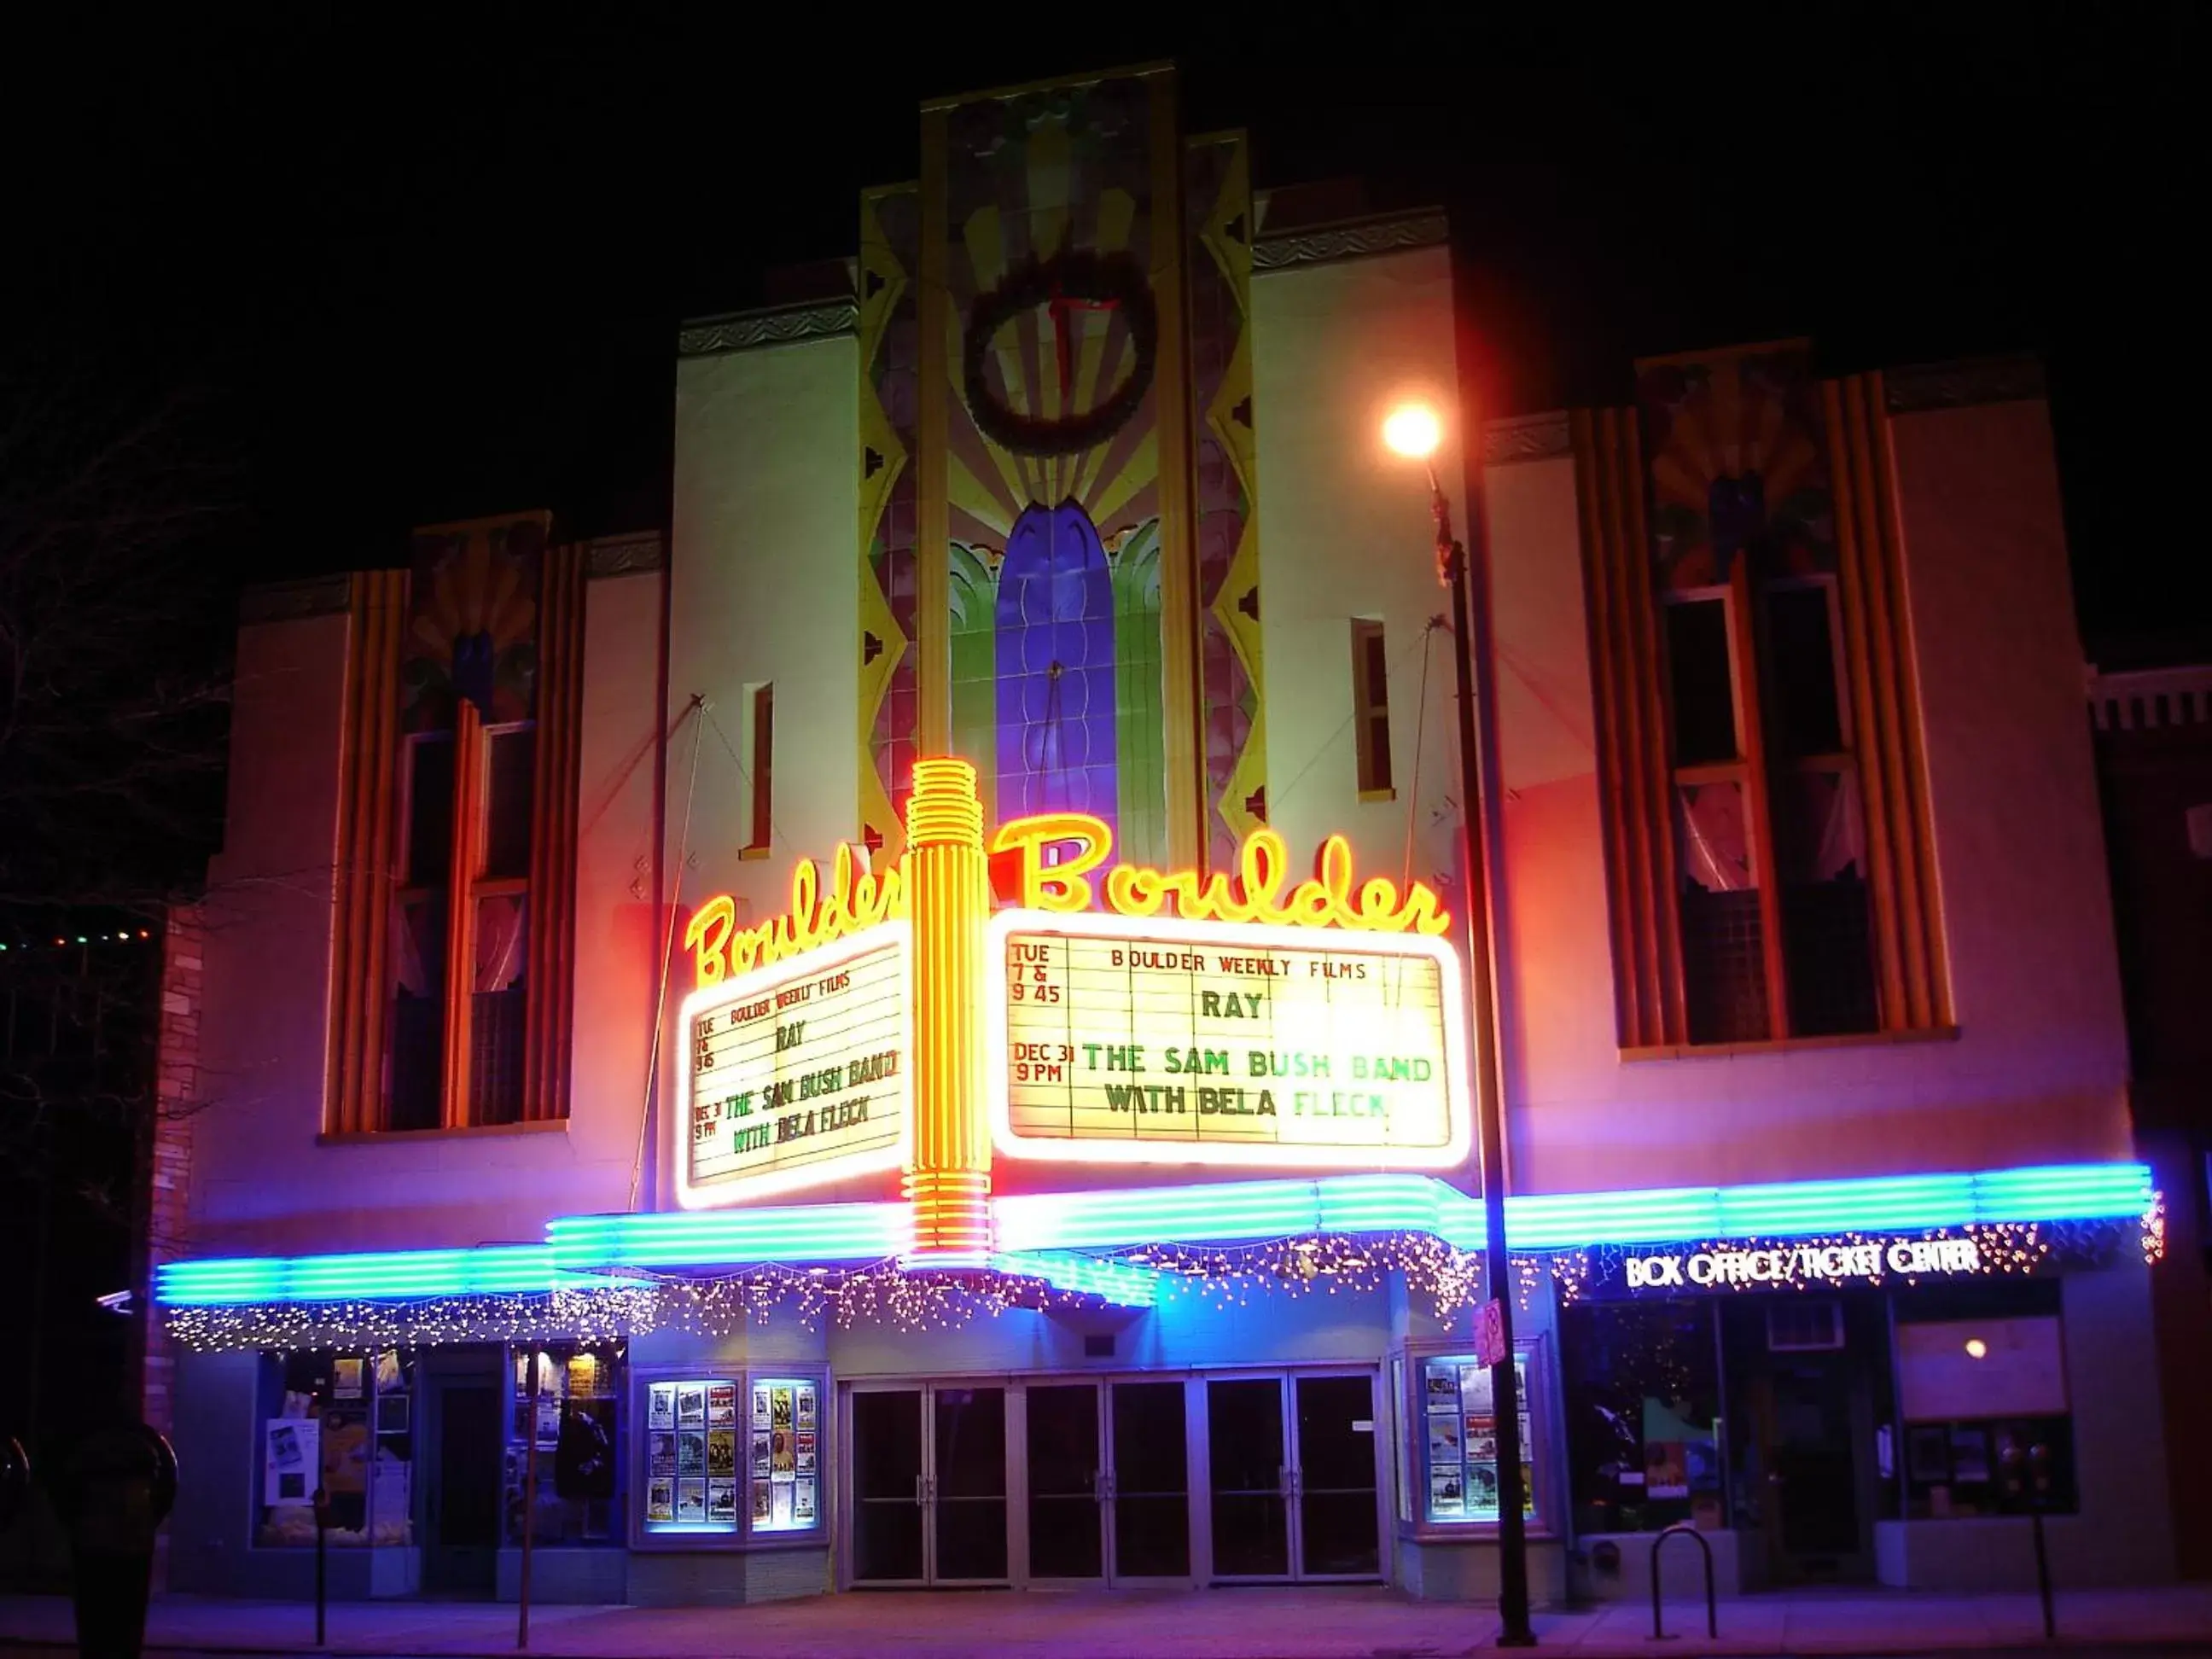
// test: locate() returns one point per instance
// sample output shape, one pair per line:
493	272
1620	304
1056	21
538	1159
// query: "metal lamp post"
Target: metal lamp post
1414	432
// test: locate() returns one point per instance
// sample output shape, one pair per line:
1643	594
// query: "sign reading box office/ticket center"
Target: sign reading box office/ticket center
1120	1040
799	1073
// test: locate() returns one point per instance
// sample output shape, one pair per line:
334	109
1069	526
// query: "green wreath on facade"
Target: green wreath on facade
1114	281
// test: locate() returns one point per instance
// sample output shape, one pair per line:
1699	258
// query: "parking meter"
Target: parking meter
114	1492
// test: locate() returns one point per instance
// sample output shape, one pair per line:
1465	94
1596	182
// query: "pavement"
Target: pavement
1334	1622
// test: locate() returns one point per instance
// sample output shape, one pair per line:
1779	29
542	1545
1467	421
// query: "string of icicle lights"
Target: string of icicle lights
1224	1277
882	1294
1331	1264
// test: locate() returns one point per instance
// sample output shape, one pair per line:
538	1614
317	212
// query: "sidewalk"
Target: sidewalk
1315	1623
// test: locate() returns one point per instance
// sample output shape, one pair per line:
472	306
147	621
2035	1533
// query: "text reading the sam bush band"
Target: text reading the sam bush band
807	1069
1115	1039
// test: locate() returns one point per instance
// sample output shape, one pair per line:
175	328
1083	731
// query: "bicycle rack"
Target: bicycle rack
1658	1544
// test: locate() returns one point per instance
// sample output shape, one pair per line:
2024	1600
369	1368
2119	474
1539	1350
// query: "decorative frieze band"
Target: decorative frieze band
623	556
1355	240
1527	438
289	601
1956	385
712	336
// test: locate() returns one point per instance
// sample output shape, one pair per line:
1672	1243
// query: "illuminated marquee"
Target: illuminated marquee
1121	1040
885	1021
799	1073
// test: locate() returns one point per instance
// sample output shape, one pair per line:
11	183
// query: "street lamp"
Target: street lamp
1413	431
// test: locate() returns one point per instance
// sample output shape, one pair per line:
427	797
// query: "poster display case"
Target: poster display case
1449	1444
729	1457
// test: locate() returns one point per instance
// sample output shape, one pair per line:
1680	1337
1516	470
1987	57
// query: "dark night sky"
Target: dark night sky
426	269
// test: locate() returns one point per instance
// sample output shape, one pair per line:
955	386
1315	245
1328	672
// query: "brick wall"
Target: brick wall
176	1096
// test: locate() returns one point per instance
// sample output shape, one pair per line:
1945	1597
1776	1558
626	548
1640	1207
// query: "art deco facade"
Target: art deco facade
1830	1234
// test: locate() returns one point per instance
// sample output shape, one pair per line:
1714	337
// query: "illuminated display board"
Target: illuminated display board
1126	1040
798	1074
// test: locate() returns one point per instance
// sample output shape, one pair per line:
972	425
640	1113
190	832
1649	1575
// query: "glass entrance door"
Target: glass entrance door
1068	1484
1807	1417
1148	1490
1339	1495
888	1506
929	1485
1296	1490
1108	1482
1248	1462
966	1484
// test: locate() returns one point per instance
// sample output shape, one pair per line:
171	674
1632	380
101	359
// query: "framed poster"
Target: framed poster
291	1460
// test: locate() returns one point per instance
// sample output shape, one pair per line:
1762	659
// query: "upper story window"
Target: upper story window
458	836
763	768
1772	889
1370	709
456	1040
1769	866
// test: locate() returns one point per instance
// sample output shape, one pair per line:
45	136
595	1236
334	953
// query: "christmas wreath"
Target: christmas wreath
1070	279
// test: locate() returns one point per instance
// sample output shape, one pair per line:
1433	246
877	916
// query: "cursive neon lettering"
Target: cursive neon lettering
854	900
1046	863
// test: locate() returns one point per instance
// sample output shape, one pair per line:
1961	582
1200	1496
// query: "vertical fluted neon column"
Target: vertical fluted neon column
948	1182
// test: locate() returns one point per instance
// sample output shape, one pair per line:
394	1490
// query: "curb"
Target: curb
1689	1648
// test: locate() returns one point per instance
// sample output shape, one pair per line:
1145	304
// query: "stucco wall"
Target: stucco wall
616	950
265	1021
767	590
2037	1072
1345	532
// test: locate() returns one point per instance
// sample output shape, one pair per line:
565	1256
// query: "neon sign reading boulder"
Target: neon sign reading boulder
1046	863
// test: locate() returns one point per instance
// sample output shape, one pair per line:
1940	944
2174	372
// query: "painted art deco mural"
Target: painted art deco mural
1058	538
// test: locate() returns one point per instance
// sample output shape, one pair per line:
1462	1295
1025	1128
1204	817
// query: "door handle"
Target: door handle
919	1500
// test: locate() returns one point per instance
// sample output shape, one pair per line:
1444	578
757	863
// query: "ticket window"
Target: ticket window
1986	1420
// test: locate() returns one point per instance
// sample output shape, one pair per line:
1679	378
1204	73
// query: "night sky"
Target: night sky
412	270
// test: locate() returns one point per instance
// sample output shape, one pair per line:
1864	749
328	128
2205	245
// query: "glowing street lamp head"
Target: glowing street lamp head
1413	430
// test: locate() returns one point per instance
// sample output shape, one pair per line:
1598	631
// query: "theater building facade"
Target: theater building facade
917	1030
